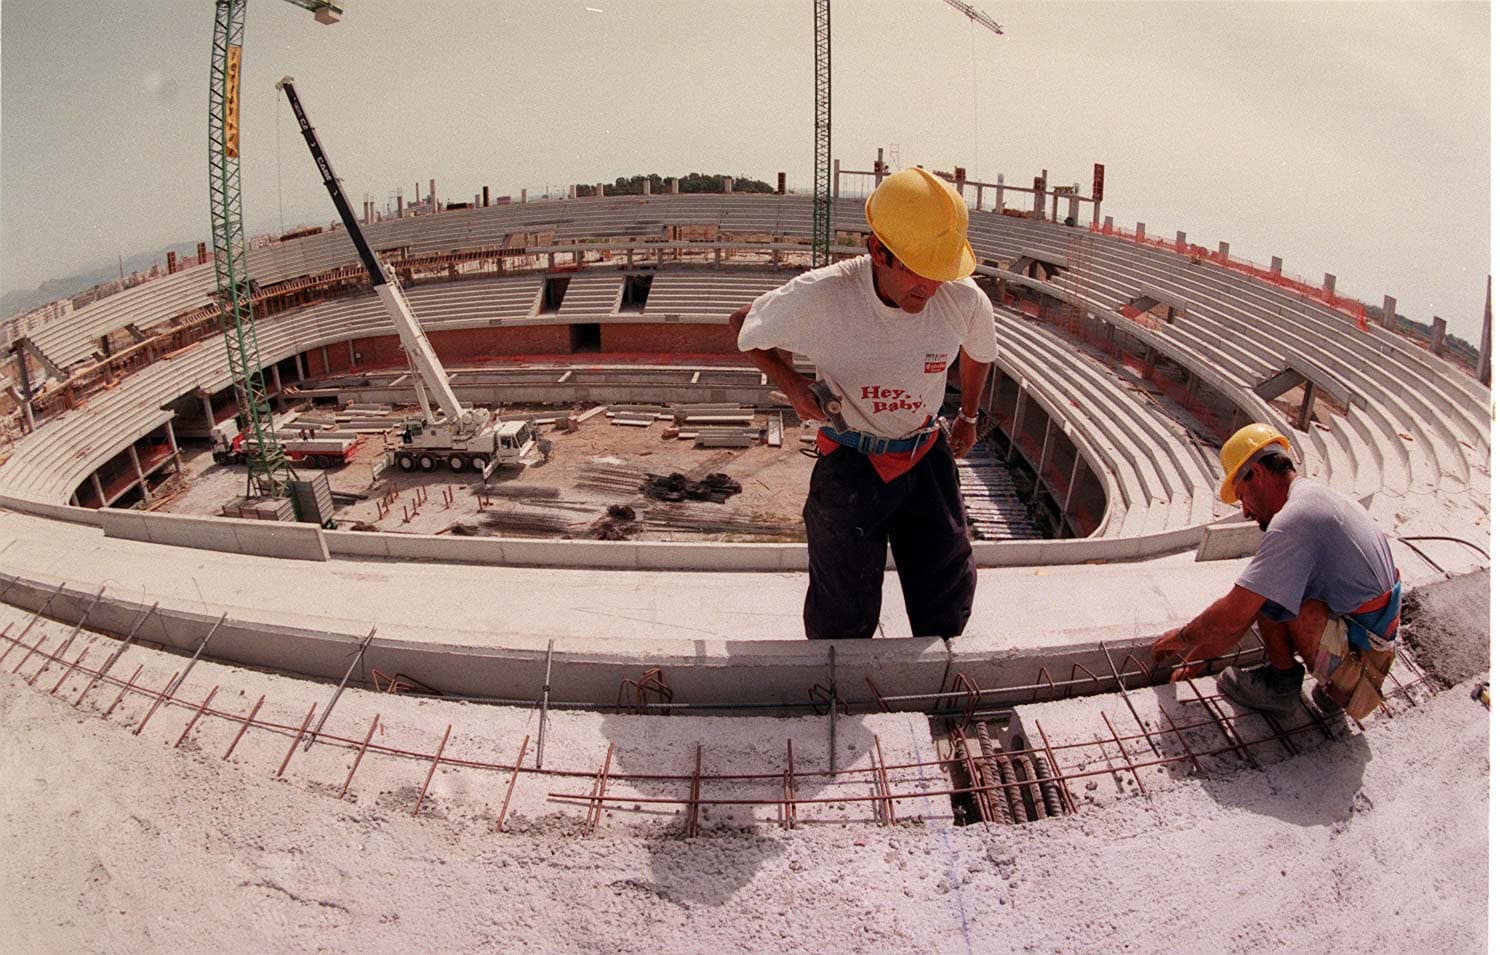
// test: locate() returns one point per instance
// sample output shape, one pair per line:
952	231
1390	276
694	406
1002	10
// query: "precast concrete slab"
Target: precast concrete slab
486	631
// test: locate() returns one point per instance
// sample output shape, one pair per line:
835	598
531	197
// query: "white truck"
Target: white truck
466	439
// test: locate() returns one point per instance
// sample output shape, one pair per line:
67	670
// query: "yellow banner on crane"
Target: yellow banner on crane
232	103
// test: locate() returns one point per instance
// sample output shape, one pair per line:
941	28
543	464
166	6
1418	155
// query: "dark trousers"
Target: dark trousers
851	515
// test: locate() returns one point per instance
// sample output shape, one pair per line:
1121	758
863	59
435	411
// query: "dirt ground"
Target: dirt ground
552	497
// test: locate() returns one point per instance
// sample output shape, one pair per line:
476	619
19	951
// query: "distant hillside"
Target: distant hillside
52	290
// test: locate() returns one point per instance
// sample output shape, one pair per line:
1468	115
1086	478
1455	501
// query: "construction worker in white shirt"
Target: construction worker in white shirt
882	330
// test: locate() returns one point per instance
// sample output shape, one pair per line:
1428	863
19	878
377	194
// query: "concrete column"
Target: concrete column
140	475
1041	461
835	179
276	379
572	191
1015	421
1276	264
728	185
523	197
1224	251
1439	333
646	187
353	358
551	261
599	190
400	204
1140	232
1181	240
1109	221
1039	196
1304	416
1000	192
98	488
1330	281
176	452
476	200
327	365
1073	204
1388	312
1483	371
879	165
486	194
676	185
301	368
208	410
432	194
1072	482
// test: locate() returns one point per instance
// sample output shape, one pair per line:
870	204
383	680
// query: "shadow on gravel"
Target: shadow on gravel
1322	787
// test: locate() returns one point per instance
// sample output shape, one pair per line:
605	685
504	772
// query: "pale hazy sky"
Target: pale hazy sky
1348	138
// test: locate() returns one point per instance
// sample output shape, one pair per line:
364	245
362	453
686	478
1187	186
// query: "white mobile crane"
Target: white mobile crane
465	438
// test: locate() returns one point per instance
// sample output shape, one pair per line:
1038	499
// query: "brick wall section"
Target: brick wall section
471	345
668	339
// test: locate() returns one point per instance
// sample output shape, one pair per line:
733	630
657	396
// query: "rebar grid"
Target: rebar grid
878	781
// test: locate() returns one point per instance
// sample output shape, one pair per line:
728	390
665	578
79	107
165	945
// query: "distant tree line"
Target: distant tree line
692	182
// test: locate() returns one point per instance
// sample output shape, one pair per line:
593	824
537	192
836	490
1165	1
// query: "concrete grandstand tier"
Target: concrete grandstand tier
1086	399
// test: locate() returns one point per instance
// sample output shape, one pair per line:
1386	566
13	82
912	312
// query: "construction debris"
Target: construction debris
702	519
716	487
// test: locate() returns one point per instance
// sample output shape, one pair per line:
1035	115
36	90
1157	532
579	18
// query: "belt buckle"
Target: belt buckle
866	443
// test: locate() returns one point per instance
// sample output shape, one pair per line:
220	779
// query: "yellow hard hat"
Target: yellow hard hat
924	223
1240	448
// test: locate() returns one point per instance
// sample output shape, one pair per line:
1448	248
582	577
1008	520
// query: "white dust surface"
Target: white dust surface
115	841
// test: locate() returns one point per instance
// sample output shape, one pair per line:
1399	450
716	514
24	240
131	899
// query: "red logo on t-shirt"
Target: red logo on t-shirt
934	367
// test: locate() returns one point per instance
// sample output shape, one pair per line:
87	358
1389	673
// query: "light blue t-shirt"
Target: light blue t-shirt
1320	546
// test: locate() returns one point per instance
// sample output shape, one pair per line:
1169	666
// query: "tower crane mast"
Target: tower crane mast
822	136
269	470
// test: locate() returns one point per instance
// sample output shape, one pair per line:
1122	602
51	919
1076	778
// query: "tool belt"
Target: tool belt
1355	683
1373	625
866	443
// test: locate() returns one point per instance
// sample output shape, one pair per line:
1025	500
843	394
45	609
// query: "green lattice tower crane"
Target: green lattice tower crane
269	470
822	136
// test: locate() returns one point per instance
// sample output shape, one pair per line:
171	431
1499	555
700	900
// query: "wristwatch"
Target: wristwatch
968	419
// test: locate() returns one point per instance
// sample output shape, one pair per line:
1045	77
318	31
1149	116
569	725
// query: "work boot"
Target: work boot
1264	688
1326	704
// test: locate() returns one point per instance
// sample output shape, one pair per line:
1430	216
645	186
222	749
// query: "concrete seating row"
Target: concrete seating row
1345	351
1392	414
1230	309
1163	484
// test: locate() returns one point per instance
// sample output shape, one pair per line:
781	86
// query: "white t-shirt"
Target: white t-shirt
890	366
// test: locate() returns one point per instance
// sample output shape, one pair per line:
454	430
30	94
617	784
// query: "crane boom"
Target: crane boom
978	16
426	367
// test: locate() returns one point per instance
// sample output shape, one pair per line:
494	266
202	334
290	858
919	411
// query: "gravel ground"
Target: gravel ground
1447	625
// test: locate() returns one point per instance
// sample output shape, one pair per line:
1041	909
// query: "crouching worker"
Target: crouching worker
883	329
1322	586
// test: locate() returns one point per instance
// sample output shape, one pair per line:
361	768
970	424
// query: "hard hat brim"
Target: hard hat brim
1226	487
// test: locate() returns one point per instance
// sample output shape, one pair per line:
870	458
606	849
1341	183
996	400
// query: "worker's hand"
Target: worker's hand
1171	644
961	437
801	398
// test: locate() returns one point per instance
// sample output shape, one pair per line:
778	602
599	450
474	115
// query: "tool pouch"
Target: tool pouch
1355	682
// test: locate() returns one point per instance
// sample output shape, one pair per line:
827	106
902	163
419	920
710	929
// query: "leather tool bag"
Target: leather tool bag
1356	681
